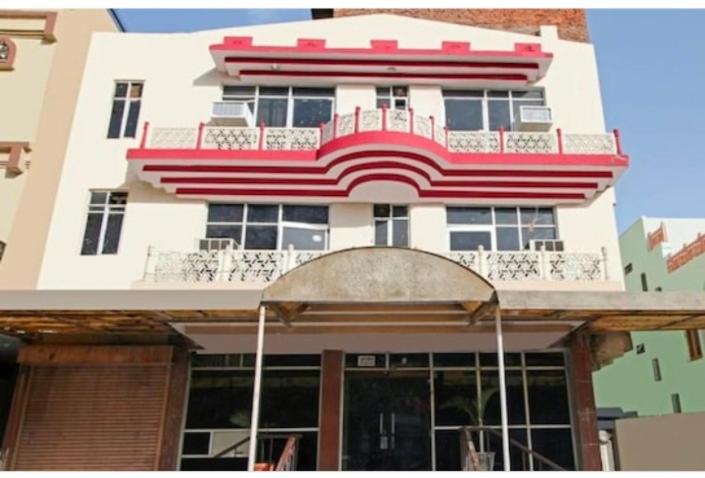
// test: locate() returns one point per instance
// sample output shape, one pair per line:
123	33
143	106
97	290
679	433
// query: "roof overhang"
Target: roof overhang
311	60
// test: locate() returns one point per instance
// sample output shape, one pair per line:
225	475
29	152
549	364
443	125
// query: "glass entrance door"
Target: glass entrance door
387	421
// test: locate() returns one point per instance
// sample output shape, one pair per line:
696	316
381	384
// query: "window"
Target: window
695	350
489	110
499	228
270	226
628	268
657	369
391	225
127	100
285	106
104	223
394	97
640	349
676	402
644	283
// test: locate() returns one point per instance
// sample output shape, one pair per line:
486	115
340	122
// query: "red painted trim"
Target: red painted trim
199	136
377	165
382	63
618	141
377	47
375	74
372	178
559	135
357	119
145	130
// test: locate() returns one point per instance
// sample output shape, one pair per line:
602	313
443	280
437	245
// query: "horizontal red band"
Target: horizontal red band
381	63
371	74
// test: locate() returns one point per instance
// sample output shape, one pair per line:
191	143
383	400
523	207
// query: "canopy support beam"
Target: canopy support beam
502	390
254	422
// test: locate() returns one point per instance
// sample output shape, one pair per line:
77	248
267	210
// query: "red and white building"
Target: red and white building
380	242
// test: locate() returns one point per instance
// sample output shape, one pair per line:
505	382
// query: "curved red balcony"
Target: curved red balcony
396	147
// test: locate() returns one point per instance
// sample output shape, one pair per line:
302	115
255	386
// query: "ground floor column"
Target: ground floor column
330	417
584	410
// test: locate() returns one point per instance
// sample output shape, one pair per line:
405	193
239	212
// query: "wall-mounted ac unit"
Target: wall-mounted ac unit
534	118
215	244
232	113
550	245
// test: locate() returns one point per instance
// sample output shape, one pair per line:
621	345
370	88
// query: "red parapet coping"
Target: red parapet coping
244	44
656	237
686	254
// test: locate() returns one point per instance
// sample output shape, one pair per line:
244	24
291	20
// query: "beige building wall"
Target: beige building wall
661	443
41	92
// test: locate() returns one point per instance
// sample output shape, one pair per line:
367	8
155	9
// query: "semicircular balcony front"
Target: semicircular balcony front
365	154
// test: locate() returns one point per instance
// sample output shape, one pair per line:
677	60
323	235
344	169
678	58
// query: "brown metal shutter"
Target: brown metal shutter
93	417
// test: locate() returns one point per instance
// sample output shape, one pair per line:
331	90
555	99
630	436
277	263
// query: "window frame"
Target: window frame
494	225
105	214
392	97
485	99
126	109
280	224
389	222
290	97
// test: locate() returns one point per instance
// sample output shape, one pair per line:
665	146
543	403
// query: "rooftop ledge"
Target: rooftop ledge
329	163
312	59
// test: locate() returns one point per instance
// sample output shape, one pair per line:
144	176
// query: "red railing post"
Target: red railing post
411	120
260	142
501	139
559	135
145	130
357	119
384	116
433	127
199	137
320	134
335	125
618	141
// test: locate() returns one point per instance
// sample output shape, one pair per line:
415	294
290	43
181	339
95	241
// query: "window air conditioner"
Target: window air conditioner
550	245
215	244
232	113
534	118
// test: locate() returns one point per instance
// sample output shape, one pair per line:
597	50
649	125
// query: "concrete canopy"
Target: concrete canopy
380	275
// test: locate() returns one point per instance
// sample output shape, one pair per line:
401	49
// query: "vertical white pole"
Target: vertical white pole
502	390
254	422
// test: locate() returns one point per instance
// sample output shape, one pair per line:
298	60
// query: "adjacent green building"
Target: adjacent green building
665	371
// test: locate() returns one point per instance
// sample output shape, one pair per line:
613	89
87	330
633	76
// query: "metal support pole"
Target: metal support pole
254	422
502	390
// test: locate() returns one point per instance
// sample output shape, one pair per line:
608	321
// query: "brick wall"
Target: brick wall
571	23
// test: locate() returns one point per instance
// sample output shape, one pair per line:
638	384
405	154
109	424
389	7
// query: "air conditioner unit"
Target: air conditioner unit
232	113
215	244
550	245
534	118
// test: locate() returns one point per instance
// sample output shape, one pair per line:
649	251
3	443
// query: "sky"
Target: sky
652	73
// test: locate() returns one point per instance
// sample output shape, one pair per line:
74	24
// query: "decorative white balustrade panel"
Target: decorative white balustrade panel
251	266
575	266
531	143
370	120
346	125
173	138
398	120
327	132
230	138
473	142
511	266
589	144
291	139
440	135
422	126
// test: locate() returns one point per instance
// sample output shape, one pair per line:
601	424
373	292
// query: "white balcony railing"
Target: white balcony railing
404	121
254	266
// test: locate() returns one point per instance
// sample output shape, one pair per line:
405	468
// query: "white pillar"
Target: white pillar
254	422
502	390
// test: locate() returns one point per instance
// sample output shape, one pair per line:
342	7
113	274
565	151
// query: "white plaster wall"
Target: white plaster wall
589	228
427	101
427	227
180	85
351	225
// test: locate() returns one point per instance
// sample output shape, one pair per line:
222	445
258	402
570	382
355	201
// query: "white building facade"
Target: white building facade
365	194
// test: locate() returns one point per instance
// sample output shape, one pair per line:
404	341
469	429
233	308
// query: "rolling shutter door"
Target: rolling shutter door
93	416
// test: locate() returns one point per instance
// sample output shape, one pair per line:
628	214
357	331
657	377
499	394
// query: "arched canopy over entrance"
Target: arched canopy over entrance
376	283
